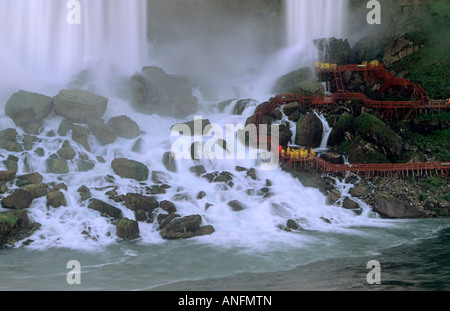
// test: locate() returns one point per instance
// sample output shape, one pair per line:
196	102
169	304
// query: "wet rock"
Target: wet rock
56	199
37	190
19	199
201	195
126	168
164	219
236	205
127	229
205	230
182	228
285	83
66	151
15	225
168	206
136	201
84	166
104	134
251	172
32	178
84	192
198	170
309	131
155	92
105	209
79	106
242	104
123	126
391	207
333	196
64	127
7	175
293	225
350	204
8	140
28	141
28	109
169	162
360	190
57	165
79	135
160	177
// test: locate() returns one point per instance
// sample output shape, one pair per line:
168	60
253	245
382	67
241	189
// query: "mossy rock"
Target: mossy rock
105	209
127	229
15	225
126	168
57	165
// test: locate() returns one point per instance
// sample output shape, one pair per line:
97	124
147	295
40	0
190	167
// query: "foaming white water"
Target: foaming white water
259	226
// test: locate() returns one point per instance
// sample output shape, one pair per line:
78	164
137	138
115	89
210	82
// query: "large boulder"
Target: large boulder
126	168
31	178
28	109
127	229
397	50
123	126
8	140
380	134
309	131
19	199
57	165
80	135
287	81
105	209
15	225
155	92
392	207
55	198
136	201
105	134
185	227
79	106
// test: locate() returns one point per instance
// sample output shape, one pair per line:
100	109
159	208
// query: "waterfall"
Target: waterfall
307	20
38	40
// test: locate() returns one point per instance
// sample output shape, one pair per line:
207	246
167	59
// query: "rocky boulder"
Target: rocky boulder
391	207
185	227
291	79
79	106
105	209
15	225
136	201
104	134
309	131
19	199
127	229
8	140
80	136
380	134
126	168
123	126
28	109
56	198
154	92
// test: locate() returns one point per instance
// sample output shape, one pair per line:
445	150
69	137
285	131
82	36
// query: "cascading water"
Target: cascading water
43	48
308	20
111	39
